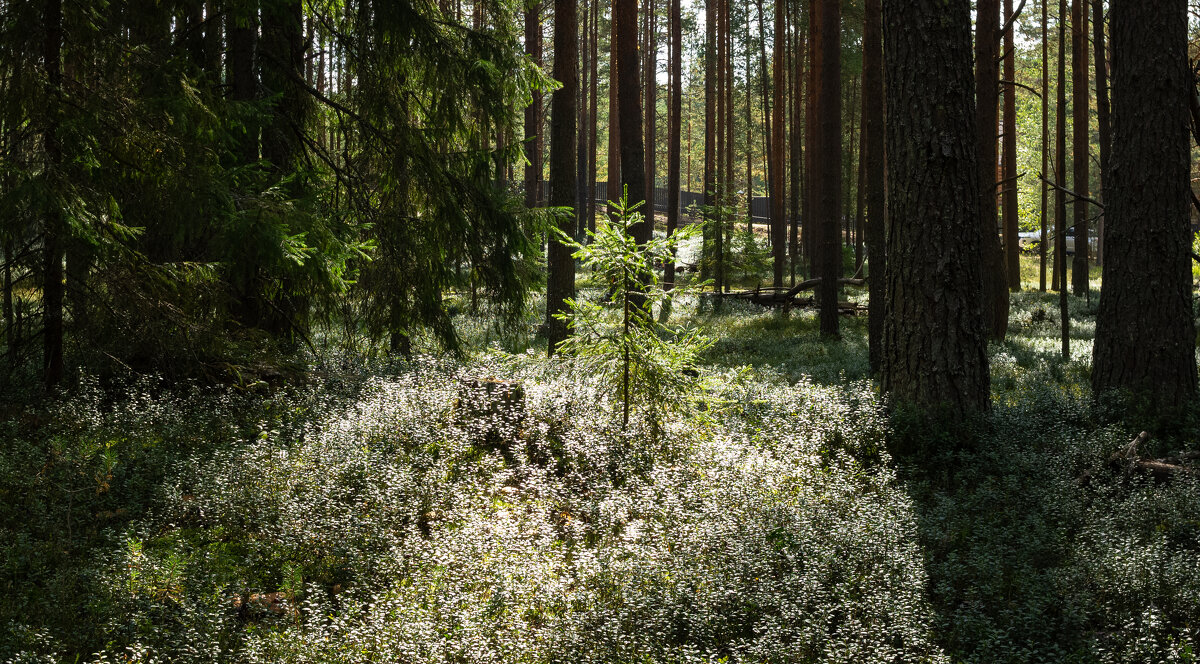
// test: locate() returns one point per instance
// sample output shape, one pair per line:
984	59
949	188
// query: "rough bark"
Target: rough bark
561	267
935	338
874	141
1145	333
987	74
827	155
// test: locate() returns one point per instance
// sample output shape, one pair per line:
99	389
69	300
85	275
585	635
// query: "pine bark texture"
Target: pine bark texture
1145	333
876	197
827	155
987	76
560	265
1080	76
935	341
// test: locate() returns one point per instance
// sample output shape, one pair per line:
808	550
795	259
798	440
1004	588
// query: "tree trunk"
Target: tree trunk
1102	113
1082	141
710	138
778	221
827	155
613	190
593	117
54	232
243	41
1145	333
651	108
1060	177
935	337
796	146
1045	150
533	112
874	140
560	266
987	75
674	115
1011	242
581	128
629	101
727	221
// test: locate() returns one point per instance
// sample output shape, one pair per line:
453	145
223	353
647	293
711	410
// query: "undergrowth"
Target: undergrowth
393	513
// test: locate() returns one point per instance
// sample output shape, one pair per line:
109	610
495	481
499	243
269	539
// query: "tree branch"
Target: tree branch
1071	193
1021	85
1011	19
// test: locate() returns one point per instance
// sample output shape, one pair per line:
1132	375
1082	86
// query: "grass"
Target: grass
379	514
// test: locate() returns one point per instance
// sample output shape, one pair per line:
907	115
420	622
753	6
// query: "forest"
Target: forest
533	331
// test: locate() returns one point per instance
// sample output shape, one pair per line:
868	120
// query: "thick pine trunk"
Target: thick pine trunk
827	156
874	141
561	267
987	75
1145	333
935	339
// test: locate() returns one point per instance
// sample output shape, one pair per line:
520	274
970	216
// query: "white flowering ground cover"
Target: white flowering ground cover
381	515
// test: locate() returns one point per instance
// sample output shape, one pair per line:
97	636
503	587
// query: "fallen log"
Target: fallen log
1129	461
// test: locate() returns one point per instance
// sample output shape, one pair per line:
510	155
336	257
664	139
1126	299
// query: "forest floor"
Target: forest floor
388	511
